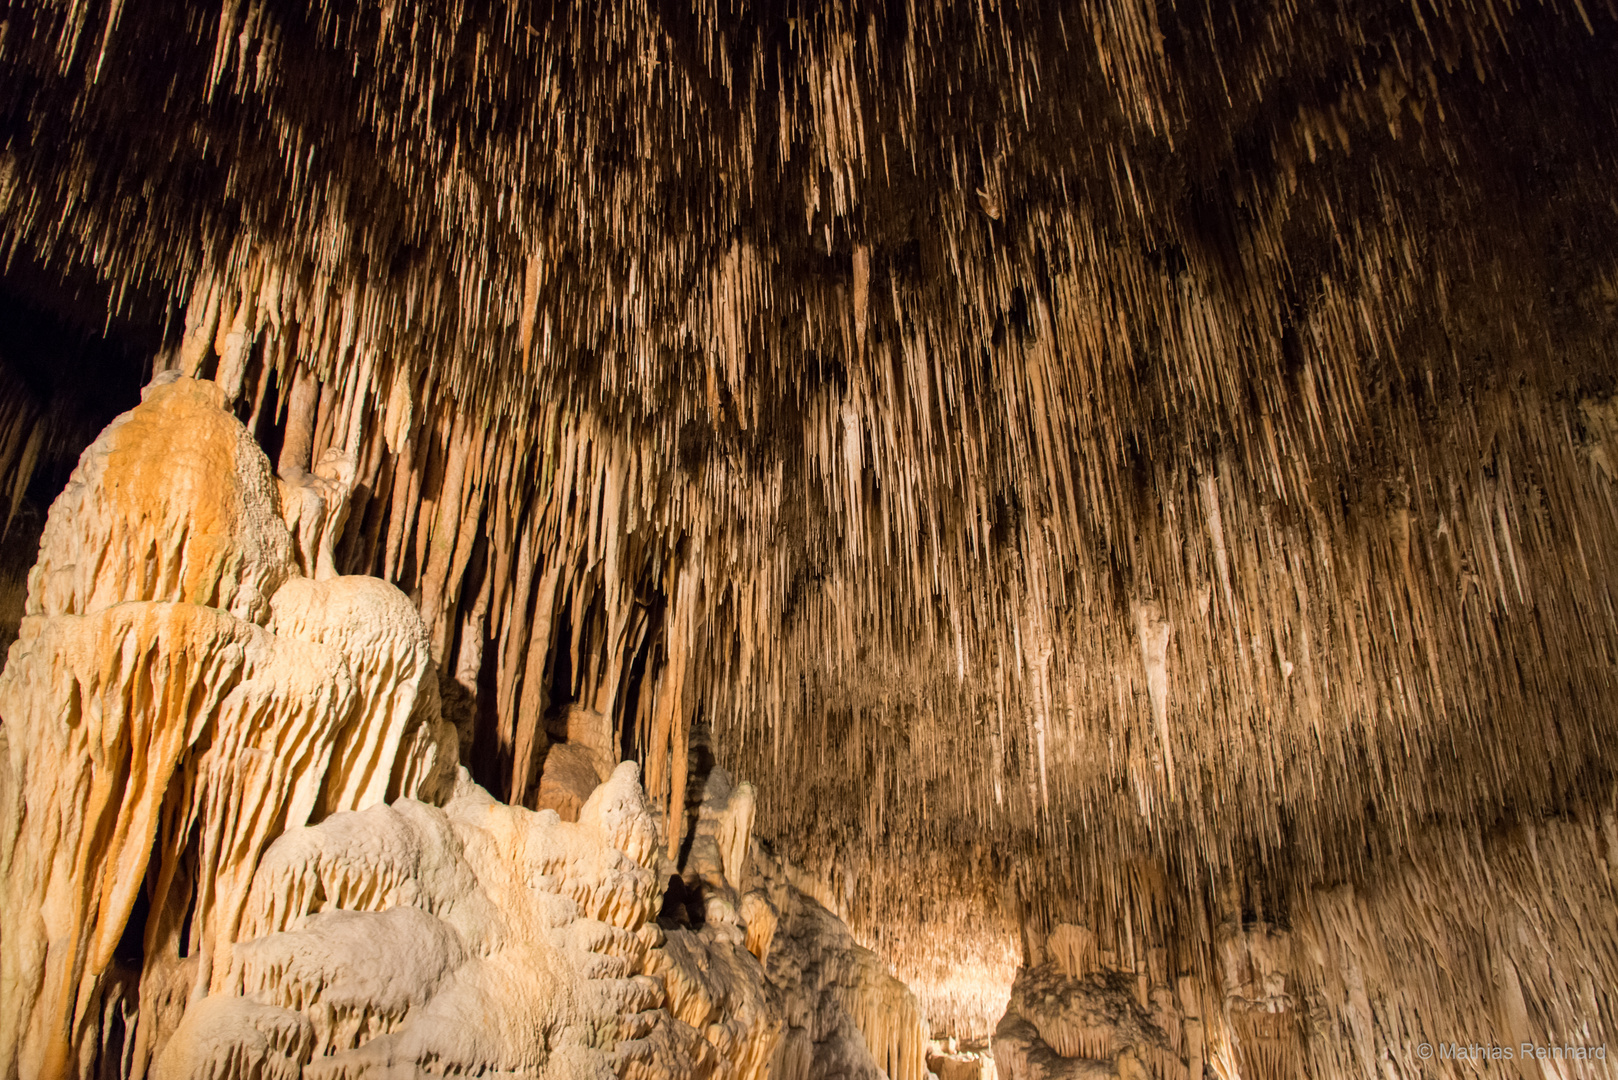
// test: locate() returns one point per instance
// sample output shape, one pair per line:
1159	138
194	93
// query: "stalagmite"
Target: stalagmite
194	734
146	517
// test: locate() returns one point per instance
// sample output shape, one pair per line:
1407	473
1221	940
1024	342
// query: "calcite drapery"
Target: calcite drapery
176	716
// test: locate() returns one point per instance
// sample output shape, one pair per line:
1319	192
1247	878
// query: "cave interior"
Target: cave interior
671	539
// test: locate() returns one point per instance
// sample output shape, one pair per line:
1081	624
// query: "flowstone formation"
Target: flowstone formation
1077	1014
236	840
1465	943
179	694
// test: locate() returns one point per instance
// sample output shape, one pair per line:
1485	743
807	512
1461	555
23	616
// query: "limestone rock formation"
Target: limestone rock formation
839	1012
177	696
948	1061
487	937
237	841
1095	1024
580	757
1488	934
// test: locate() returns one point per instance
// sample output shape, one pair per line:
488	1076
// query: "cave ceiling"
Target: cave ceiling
1118	456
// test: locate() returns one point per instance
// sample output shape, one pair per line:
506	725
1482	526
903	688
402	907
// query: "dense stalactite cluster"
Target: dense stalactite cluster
1090	463
1500	935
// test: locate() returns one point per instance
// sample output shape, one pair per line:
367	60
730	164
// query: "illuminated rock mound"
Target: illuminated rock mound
237	841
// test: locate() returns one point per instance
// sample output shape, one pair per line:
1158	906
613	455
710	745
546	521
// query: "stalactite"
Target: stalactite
302	404
528	740
446	530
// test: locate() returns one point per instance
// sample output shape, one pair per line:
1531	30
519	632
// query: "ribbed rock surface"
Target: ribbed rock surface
235	840
178	695
1496	939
